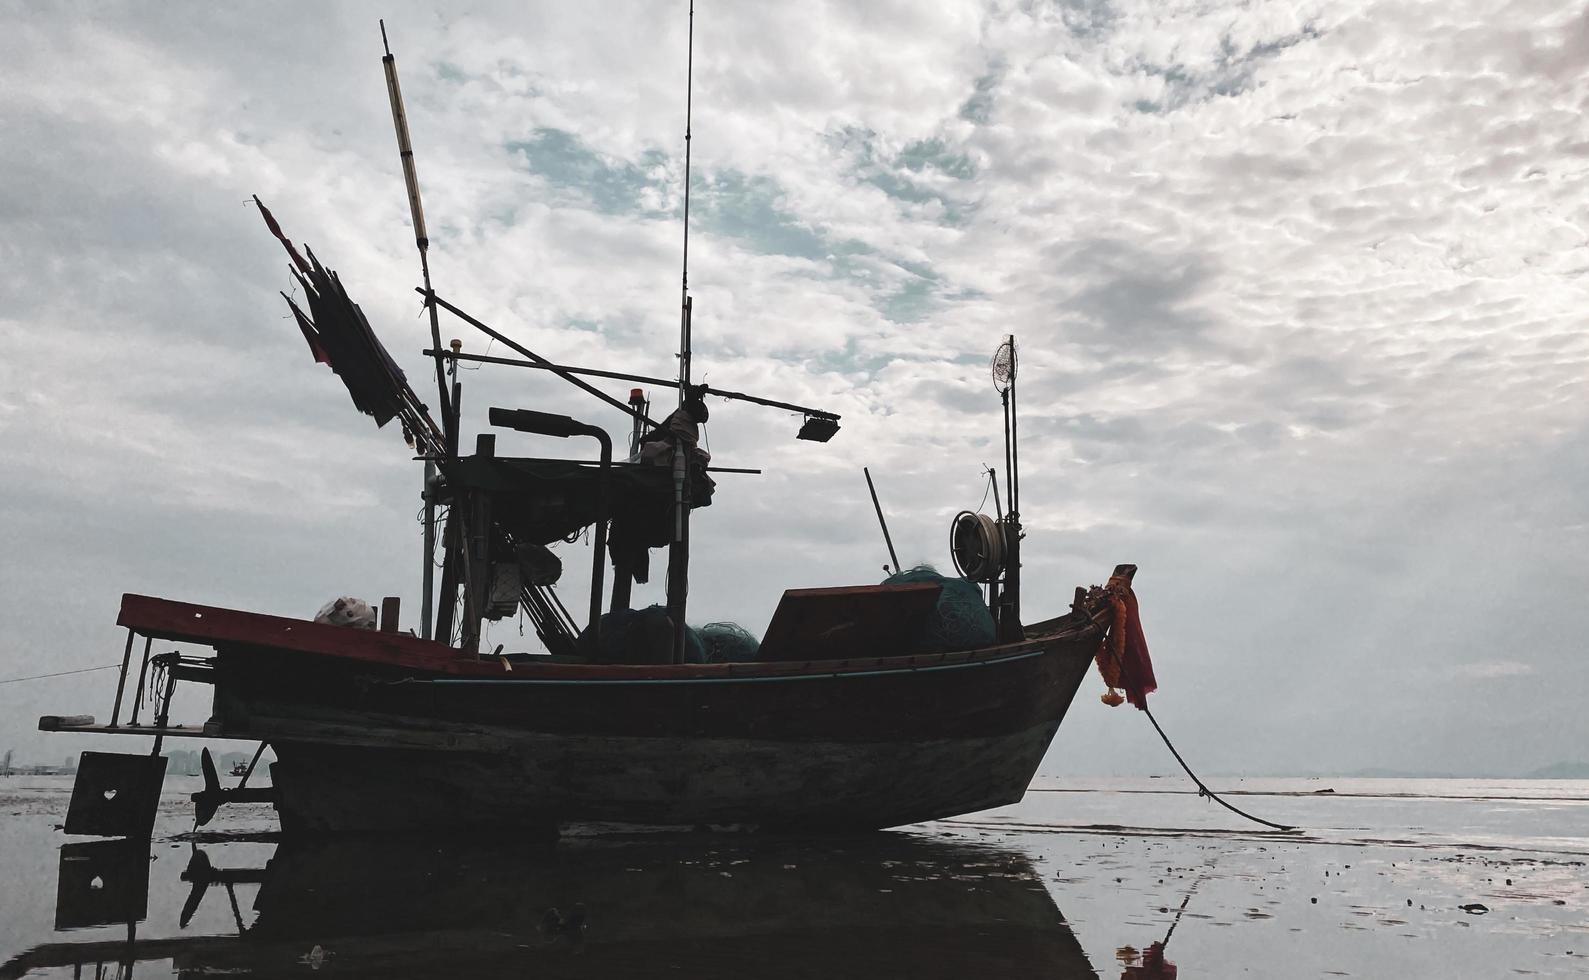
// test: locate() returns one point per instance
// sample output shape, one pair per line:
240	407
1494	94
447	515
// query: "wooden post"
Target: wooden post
389	610
883	523
477	555
679	555
143	671
622	583
447	600
126	659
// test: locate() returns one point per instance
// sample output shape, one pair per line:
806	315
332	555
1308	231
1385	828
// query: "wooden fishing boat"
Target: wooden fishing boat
846	718
381	731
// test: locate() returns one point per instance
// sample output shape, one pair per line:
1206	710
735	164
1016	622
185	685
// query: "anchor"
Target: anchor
213	796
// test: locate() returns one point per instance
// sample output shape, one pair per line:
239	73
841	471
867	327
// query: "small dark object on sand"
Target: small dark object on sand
554	923
1474	908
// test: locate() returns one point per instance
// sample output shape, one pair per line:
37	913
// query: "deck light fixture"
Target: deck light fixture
818	428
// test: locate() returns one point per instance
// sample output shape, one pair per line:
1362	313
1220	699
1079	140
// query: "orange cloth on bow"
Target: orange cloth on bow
1123	656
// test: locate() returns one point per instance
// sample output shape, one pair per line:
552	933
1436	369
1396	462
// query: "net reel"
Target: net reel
976	543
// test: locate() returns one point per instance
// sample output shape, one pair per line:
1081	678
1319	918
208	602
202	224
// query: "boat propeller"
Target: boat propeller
213	796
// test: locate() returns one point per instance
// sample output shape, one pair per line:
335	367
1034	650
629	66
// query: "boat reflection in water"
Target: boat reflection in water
882	905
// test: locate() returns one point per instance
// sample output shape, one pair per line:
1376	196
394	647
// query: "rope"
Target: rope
1202	789
63	673
1165	942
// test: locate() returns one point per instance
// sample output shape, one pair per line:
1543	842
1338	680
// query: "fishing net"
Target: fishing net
1003	365
728	643
961	619
639	636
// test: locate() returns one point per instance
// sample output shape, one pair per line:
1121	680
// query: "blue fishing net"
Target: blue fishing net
961	619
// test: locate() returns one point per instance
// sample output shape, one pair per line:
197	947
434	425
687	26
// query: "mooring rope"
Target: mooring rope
1202	788
63	673
1125	669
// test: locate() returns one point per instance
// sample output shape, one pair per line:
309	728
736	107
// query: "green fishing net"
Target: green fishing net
961	619
728	643
639	636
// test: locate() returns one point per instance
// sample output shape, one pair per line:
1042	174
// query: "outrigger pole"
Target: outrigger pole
645	379
679	550
449	417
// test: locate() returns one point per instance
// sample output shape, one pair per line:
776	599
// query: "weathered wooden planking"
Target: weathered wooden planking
188	622
849	622
271	637
557	780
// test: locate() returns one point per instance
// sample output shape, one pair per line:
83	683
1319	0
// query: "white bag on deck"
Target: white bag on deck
347	611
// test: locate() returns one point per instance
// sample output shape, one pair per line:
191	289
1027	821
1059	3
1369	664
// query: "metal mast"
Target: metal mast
684	302
679	549
1005	364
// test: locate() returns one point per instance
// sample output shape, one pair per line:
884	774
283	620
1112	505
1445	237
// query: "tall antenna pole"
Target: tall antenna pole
1015	442
416	210
679	550
684	302
1012	577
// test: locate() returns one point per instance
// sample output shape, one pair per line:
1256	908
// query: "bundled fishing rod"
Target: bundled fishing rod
448	401
416	210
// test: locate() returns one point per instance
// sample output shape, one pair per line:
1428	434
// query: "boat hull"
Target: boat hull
549	781
381	732
835	752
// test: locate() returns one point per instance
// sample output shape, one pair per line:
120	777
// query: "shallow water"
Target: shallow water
1081	879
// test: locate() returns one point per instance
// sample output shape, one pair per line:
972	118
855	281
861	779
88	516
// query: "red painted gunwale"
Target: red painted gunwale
185	622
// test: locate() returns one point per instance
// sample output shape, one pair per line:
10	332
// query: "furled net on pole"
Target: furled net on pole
1003	365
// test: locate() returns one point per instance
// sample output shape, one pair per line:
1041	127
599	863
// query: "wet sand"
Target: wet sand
1424	878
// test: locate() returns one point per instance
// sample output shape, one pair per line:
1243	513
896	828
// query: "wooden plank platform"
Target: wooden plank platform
443	736
55	723
186	622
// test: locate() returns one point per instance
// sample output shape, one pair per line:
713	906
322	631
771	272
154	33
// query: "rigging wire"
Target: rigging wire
62	673
988	472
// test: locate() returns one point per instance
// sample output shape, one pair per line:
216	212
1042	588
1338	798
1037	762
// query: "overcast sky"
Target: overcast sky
1298	288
